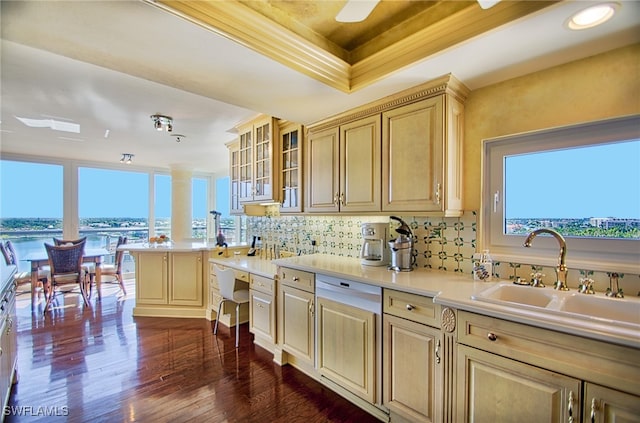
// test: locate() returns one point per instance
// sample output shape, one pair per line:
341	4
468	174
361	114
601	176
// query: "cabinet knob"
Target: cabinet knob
409	307
295	279
492	336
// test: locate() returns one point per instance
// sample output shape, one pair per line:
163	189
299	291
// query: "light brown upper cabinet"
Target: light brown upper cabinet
291	135
422	157
402	153
234	177
343	167
257	160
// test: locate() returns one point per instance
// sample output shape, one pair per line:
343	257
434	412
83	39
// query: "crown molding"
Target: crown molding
249	28
445	84
243	25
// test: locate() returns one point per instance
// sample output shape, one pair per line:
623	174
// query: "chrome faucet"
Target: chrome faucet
561	269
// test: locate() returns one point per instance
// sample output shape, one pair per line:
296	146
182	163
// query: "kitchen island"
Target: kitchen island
169	279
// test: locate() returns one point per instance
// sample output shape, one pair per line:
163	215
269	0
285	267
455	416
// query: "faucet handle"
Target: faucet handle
536	279
614	289
586	286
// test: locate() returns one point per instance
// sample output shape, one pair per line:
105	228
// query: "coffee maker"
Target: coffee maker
375	251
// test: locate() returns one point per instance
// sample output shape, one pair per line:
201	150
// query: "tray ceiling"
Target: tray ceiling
349	56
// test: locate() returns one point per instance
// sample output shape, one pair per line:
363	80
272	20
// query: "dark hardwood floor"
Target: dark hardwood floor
100	364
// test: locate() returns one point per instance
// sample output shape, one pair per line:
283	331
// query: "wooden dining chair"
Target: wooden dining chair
65	262
230	290
22	278
115	269
89	268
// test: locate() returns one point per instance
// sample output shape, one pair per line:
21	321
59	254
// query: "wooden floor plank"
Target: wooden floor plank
101	364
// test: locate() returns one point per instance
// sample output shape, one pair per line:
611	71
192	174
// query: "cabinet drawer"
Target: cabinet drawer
241	275
262	284
610	365
412	307
297	279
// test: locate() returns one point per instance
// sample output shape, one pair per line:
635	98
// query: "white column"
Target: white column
181	214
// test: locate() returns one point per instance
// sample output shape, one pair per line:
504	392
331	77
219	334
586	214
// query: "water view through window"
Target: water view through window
590	191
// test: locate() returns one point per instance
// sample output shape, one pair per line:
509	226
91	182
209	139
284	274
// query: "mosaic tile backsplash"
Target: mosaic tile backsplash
440	243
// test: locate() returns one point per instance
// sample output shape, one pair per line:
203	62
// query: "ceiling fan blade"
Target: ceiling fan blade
356	10
487	4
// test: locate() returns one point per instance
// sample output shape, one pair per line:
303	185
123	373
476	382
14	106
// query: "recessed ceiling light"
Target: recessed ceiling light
592	16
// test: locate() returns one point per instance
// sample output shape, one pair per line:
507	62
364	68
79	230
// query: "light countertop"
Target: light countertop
255	265
169	246
456	290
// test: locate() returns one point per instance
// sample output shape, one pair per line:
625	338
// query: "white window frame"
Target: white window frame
582	253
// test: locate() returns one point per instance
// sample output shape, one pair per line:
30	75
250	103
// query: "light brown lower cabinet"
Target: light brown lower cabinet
296	318
498	389
170	283
411	374
414	358
262	311
605	405
509	371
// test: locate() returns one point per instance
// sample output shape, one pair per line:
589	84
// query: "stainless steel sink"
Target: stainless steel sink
571	304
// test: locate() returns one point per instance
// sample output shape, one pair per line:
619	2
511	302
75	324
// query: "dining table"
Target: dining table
39	259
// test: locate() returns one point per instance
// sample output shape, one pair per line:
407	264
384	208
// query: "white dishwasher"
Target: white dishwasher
349	328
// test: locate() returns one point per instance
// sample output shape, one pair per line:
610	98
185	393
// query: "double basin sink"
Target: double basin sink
572	304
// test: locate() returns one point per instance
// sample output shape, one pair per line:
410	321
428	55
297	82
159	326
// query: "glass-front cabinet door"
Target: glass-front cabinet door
245	166
291	167
256	160
234	177
263	188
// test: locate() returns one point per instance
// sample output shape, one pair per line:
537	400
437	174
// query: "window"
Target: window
233	227
582	181
199	208
31	205
162	205
112	203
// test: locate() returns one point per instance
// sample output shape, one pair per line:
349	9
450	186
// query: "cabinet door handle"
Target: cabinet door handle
438	351
594	408
570	407
342	199
492	336
410	307
438	193
311	308
335	199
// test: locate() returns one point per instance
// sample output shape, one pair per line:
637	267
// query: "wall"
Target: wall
598	87
439	243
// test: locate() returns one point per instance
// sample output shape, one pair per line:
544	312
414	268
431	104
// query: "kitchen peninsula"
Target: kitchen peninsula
169	279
